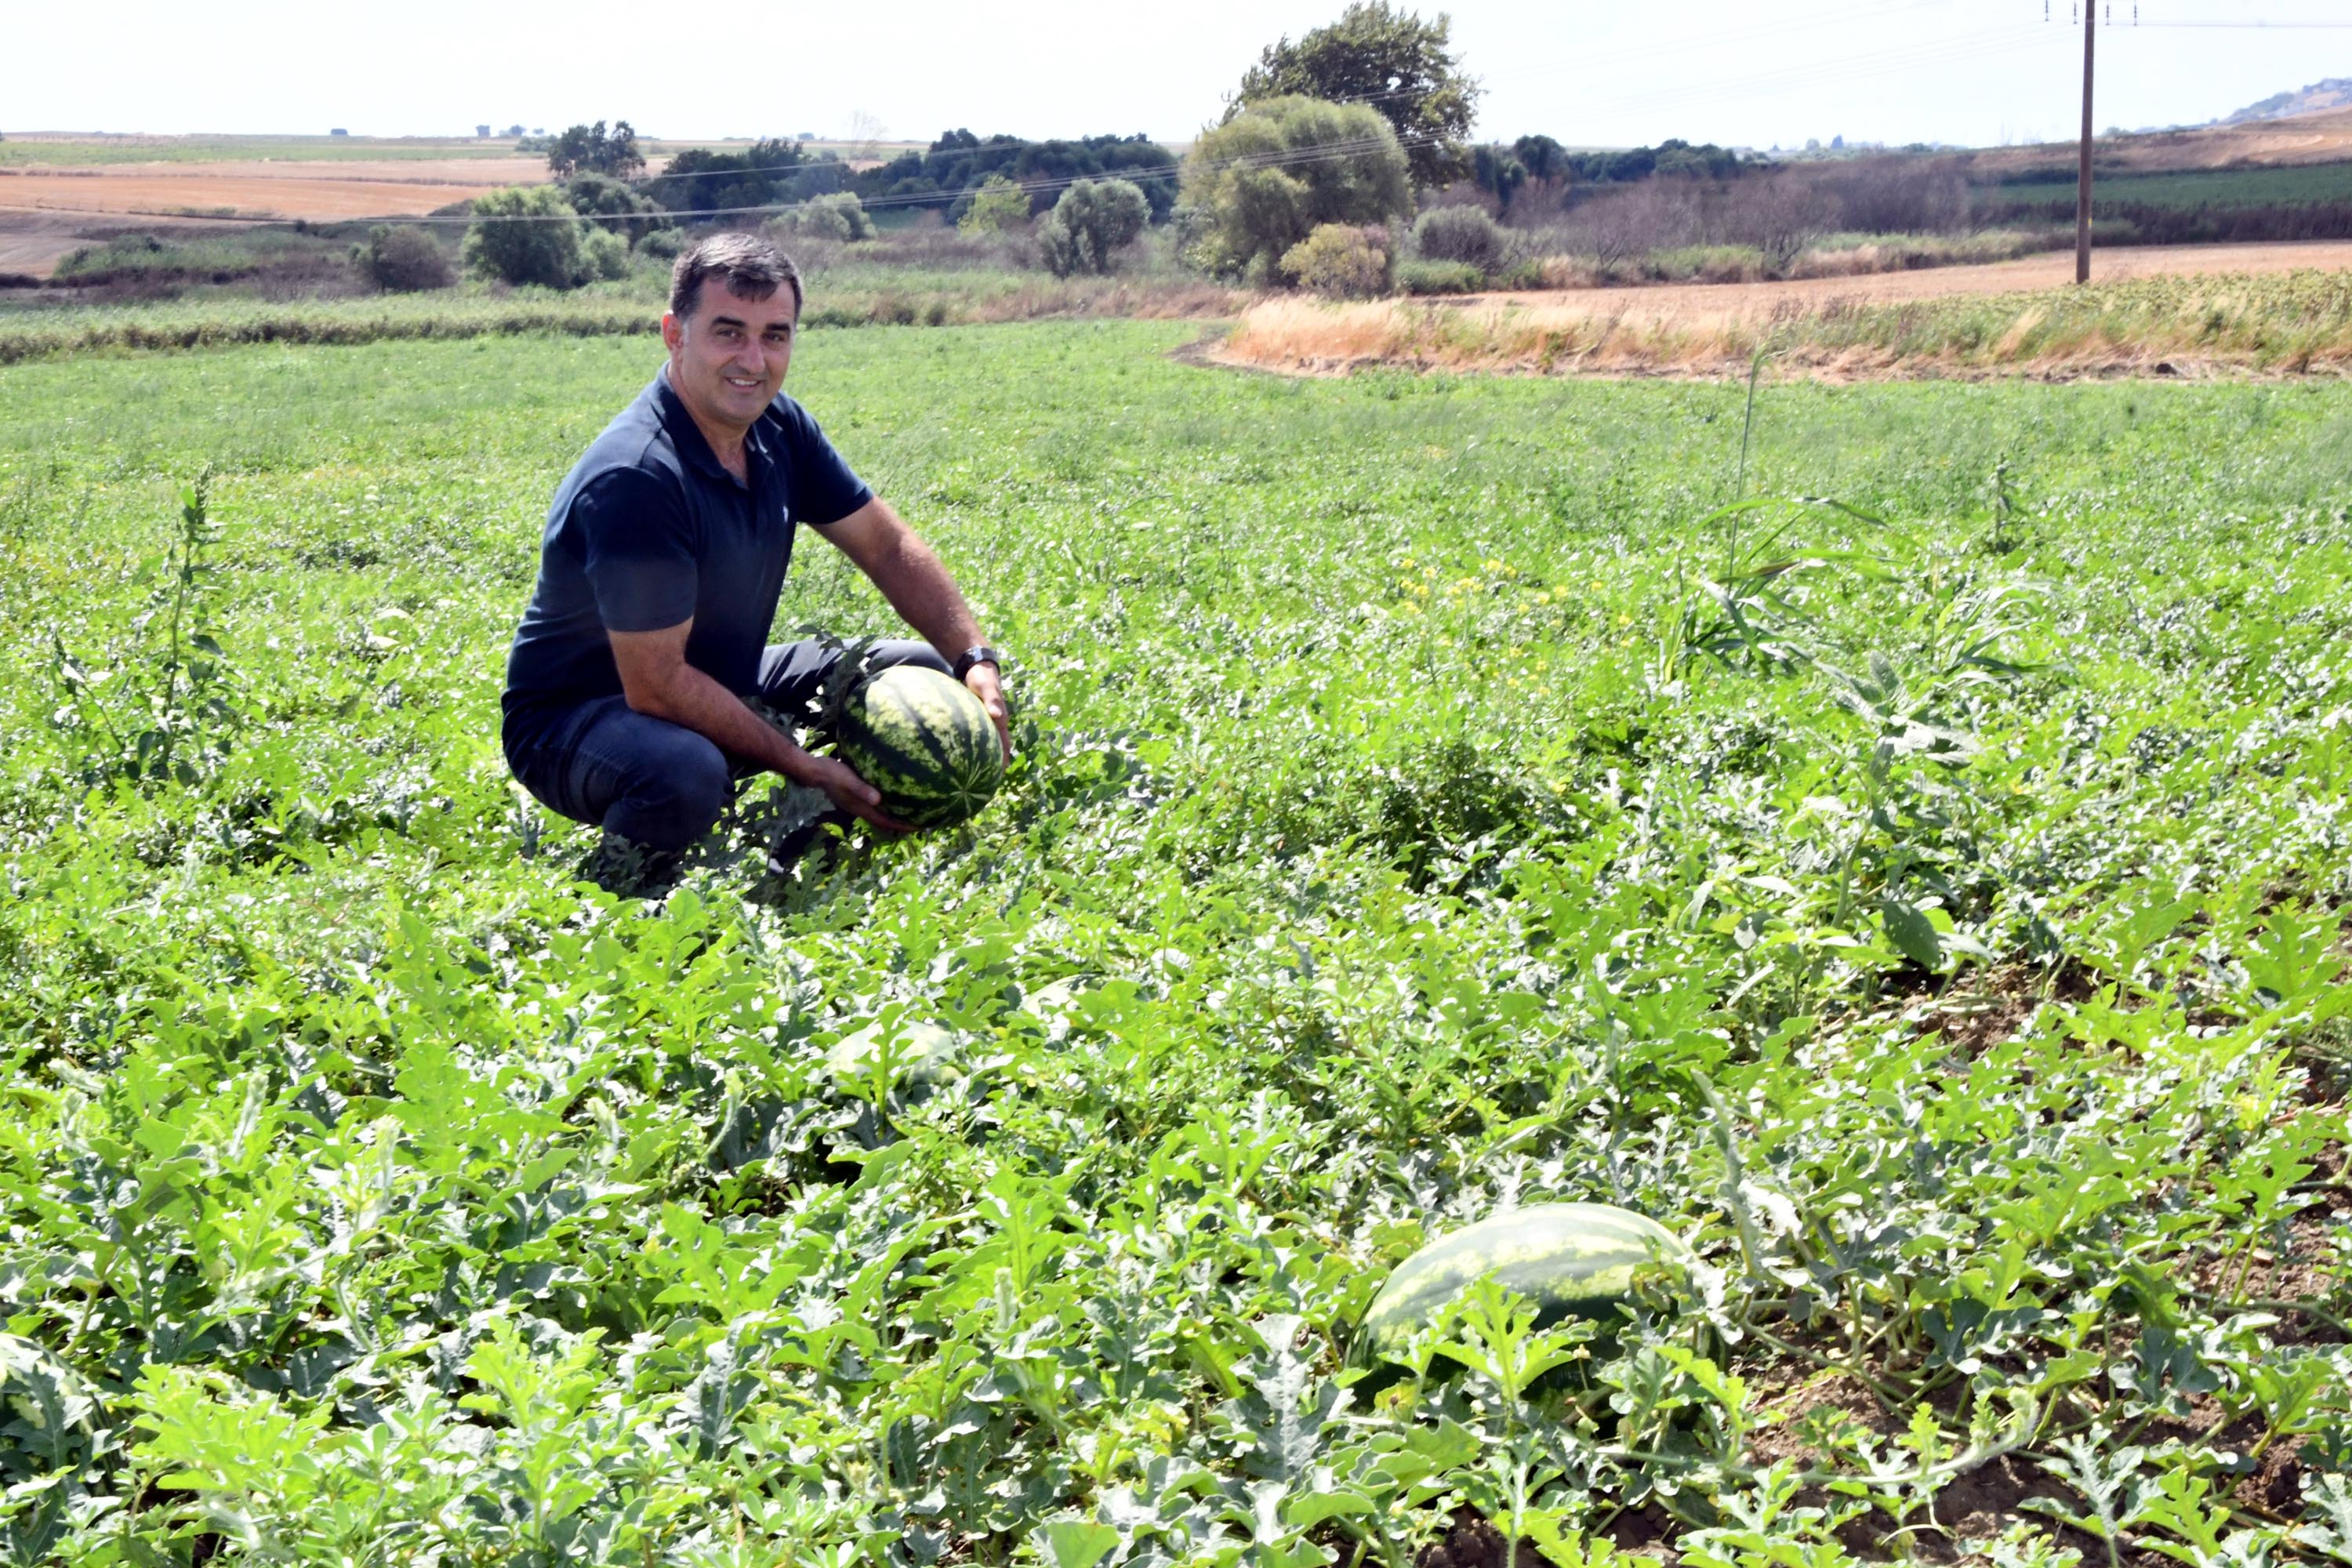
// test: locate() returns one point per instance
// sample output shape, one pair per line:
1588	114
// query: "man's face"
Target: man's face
728	359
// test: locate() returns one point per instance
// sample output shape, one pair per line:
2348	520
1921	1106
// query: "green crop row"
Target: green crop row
2290	186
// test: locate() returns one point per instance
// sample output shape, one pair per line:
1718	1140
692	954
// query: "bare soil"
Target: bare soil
46	213
485	172
275	196
33	243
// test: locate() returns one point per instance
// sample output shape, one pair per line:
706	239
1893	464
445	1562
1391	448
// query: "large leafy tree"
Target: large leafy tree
767	172
951	175
592	150
1391	61
1269	176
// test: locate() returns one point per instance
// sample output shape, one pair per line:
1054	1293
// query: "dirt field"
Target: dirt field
44	213
33	243
280	190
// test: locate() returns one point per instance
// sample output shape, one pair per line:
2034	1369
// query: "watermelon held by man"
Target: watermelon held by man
1569	1260
925	742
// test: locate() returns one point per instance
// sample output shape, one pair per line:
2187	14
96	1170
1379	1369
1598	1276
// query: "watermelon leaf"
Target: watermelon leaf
1074	1542
1910	932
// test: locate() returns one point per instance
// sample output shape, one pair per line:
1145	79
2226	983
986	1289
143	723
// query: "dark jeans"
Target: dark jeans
658	783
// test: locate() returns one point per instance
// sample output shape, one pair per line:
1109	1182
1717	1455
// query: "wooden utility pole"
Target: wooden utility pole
2083	186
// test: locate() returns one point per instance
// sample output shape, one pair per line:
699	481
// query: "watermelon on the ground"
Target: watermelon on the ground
925	1054
923	740
1570	1260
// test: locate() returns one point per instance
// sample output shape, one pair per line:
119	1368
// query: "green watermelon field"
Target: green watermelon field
1436	797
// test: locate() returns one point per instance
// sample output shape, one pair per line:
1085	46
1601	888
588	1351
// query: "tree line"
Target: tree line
1340	152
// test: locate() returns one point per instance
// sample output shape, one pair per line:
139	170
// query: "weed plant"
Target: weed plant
1435	796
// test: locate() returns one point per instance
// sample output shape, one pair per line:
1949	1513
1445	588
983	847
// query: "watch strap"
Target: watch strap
981	654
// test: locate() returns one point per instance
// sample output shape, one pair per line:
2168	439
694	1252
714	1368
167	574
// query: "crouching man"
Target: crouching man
665	552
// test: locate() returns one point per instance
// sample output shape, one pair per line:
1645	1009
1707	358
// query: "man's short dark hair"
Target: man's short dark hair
746	264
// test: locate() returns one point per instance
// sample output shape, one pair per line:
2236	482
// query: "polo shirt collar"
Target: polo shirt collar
685	435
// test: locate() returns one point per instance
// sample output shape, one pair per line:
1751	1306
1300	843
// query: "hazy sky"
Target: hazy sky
1735	71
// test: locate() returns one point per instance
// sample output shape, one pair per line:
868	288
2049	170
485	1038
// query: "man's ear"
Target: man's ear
673	331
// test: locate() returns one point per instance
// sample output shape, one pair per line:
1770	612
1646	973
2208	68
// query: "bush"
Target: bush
527	234
606	203
1440	278
840	216
999	204
1271	174
403	261
662	243
1089	224
1459	233
603	254
1346	261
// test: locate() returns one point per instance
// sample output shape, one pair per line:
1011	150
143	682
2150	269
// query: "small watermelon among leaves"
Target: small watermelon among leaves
923	740
1571	1260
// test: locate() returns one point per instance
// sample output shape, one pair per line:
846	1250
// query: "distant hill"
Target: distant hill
2336	93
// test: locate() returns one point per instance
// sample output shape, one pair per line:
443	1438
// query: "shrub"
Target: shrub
527	234
662	243
1337	163
606	203
1440	278
1089	224
403	261
1459	233
999	204
840	216
1347	261
603	254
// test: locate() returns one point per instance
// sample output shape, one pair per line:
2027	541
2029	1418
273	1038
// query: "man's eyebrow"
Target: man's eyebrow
727	320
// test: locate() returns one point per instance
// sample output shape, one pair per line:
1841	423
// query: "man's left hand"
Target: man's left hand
981	681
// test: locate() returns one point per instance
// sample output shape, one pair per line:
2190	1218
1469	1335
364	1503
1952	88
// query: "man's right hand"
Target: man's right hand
851	793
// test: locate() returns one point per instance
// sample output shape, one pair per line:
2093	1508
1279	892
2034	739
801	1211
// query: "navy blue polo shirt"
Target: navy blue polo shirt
649	529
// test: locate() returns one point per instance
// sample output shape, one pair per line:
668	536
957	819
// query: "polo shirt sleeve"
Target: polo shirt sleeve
636	550
824	489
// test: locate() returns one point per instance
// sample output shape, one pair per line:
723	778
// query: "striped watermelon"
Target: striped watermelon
925	742
925	1056
1570	1260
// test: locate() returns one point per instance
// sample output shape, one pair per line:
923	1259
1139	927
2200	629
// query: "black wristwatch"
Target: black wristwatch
983	654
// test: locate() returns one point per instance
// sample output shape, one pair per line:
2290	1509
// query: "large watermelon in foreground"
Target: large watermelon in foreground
1578	1260
924	742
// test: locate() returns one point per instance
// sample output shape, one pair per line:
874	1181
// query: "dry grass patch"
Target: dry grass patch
2296	323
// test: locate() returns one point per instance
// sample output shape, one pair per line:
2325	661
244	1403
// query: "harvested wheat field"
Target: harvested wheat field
281	192
2187	310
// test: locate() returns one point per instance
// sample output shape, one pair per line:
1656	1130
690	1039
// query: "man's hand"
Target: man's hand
846	790
981	681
